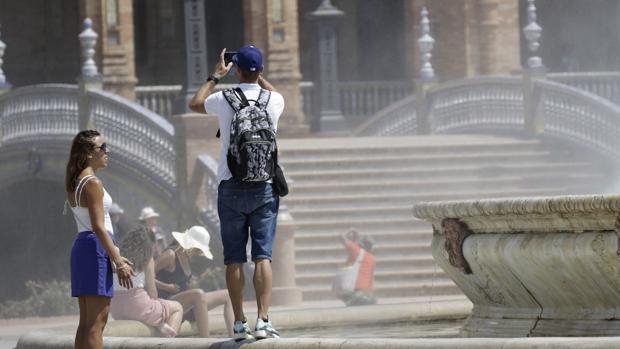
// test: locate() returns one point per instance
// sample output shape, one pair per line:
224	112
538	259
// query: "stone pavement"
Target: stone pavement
285	317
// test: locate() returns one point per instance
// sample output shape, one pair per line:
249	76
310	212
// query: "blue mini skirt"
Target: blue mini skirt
91	270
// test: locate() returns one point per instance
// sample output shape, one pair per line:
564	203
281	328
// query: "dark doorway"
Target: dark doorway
36	237
42	41
160	37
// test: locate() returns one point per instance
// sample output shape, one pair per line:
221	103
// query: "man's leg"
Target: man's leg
234	232
262	286
263	220
235	282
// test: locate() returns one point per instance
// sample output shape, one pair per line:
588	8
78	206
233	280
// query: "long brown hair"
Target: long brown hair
83	144
137	246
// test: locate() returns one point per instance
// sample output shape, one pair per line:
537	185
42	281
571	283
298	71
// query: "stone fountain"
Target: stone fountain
532	266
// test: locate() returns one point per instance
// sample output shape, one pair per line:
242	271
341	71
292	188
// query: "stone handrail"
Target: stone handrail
476	103
579	116
160	99
46	111
139	138
398	118
358	98
208	166
532	266
143	136
603	84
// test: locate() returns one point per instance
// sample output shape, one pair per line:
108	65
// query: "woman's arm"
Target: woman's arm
93	196
149	279
166	260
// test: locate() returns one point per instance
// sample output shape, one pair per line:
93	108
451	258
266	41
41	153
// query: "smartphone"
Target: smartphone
228	56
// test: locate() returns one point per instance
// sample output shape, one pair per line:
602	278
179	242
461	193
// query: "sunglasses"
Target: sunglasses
103	147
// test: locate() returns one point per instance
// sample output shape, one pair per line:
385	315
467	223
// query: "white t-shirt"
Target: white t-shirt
217	104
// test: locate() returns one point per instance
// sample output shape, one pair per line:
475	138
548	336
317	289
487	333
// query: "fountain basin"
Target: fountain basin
545	266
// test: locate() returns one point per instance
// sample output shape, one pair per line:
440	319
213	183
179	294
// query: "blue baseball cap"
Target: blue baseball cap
249	58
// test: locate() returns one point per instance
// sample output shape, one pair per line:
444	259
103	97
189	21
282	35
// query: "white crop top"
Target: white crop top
82	218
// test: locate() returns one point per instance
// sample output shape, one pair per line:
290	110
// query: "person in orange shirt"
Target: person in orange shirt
355	245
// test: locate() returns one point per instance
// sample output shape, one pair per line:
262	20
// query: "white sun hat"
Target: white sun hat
147	213
194	237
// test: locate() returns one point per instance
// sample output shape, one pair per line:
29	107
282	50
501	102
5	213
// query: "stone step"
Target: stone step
381	277
322	265
322	145
438	172
351	213
365	200
337	226
412	289
428	185
381	250
363	151
383	234
394	162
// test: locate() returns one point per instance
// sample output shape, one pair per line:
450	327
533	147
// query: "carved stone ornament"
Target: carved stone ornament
455	233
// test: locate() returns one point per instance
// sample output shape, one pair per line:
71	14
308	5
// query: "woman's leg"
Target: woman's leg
195	300
97	309
220	297
174	319
79	334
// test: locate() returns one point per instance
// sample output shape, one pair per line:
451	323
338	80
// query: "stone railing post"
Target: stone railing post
533	118
426	79
195	135
285	290
89	77
4	84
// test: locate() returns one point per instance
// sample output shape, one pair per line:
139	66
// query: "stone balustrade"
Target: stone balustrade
532	266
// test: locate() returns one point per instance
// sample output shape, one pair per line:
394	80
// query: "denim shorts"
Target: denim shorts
247	210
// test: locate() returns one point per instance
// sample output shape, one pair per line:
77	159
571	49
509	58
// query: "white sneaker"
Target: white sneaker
264	329
241	331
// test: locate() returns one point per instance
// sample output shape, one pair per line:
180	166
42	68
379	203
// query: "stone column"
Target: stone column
499	36
285	290
195	135
113	20
272	26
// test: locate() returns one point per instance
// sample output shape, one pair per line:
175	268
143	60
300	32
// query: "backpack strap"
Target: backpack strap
242	97
263	98
233	99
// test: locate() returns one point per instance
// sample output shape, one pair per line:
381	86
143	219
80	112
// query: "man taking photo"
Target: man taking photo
247	205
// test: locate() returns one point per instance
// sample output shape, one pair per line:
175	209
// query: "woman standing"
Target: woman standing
93	249
174	274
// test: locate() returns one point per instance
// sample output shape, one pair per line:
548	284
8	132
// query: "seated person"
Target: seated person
362	260
174	274
141	303
149	218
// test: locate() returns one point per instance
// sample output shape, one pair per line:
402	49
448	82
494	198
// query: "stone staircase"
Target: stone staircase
372	184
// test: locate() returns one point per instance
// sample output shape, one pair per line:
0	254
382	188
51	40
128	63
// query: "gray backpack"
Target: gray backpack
252	149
